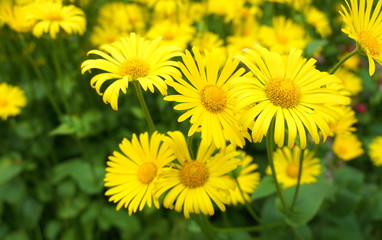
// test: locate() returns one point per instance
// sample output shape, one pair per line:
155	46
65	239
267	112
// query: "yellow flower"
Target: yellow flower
12	99
375	151
351	82
16	16
363	24
172	33
193	185
226	8
283	35
247	180
287	163
319	21
289	90
206	98
207	41
105	34
343	125
131	59
53	17
347	146
131	175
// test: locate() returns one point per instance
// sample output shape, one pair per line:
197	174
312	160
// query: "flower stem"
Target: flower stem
298	180
339	64
143	104
247	204
270	146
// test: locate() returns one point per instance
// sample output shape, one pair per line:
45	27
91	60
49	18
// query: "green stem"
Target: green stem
298	179
270	146
339	64
204	225
60	79
143	104
247	204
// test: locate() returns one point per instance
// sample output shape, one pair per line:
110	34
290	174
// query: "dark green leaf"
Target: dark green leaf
265	188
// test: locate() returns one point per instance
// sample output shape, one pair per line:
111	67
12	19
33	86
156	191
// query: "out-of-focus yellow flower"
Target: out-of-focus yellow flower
53	17
375	151
207	41
105	34
172	33
17	17
345	123
347	147
287	163
283	35
12	99
319	21
226	8
351	82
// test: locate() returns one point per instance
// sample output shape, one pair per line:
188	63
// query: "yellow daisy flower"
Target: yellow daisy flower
12	99
193	185
319	21
131	175
287	162
375	151
247	180
207	41
16	16
131	59
347	146
351	82
52	17
363	24
105	34
283	35
206	98
345	123
288	89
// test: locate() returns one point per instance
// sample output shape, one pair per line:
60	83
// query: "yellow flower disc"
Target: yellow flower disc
369	42
135	67
147	172
213	98
292	170
283	92
194	174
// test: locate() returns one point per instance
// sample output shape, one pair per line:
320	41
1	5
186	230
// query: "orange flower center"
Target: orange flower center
3	103
369	43
282	39
194	174
283	92
147	172
135	67
213	98
54	17
168	36
292	170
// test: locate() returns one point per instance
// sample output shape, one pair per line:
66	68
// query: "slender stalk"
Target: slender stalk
204	225
143	104
339	64
247	204
270	147
298	179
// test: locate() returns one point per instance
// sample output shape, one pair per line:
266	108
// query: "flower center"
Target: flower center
135	67
168	36
370	43
3	103
194	174
147	172
292	170
282	39
283	92
54	17
213	98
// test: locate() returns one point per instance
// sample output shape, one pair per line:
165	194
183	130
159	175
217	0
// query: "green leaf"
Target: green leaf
52	229
31	210
265	188
308	202
9	168
377	210
313	46
349	177
17	235
110	217
345	202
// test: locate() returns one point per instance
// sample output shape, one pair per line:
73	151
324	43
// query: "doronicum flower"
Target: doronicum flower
290	90
131	175
131	59
287	164
12	99
345	123
206	98
195	185
347	146
375	151
246	179
363	23
53	17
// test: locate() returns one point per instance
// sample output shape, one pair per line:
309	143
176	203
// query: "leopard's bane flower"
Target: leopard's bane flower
290	90
12	99
363	23
131	59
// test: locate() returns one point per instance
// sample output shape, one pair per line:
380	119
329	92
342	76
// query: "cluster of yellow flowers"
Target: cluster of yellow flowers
259	83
